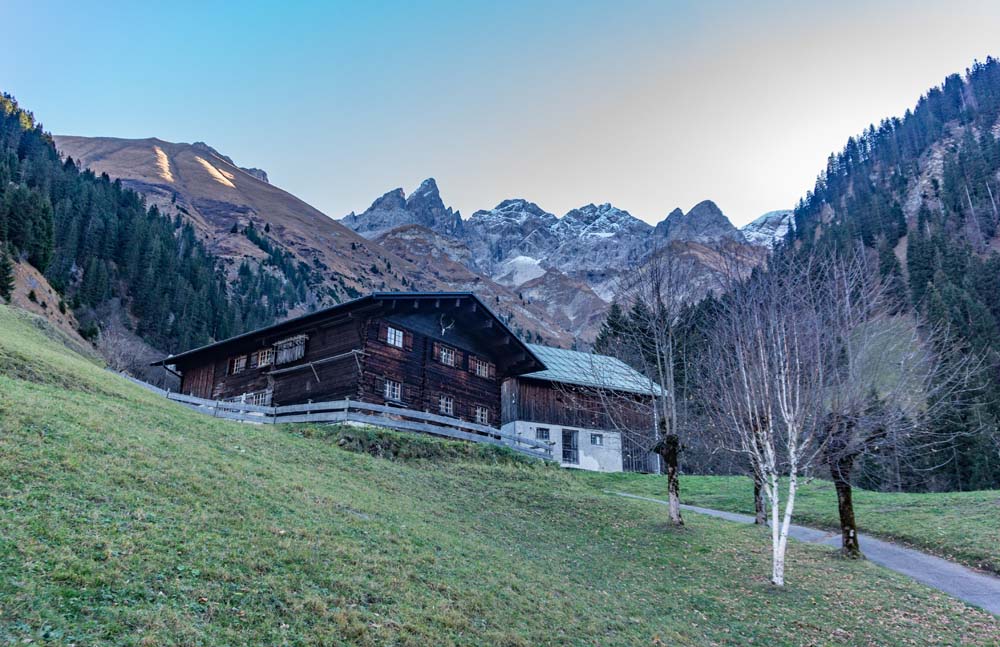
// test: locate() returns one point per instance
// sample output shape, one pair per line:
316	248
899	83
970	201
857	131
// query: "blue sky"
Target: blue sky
647	105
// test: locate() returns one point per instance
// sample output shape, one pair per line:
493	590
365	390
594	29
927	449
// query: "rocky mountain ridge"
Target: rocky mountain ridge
572	265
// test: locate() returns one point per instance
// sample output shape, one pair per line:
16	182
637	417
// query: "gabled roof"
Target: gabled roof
590	370
521	358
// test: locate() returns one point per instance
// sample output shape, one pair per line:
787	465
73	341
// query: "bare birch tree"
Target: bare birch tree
763	377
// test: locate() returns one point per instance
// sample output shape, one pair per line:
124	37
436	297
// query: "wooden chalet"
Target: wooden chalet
437	362
444	352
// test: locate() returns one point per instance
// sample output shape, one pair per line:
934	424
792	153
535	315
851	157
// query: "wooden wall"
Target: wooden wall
327	380
199	381
416	366
545	402
424	378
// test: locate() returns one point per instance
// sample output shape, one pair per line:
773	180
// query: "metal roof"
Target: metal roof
591	370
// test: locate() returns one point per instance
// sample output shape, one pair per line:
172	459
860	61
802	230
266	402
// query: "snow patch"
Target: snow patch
216	174
521	269
163	164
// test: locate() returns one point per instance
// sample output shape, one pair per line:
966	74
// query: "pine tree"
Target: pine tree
6	275
612	330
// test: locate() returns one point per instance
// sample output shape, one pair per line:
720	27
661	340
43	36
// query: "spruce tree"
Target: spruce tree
6	275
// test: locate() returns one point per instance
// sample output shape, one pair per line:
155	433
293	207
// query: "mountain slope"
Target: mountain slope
704	223
769	229
923	193
569	267
331	262
175	528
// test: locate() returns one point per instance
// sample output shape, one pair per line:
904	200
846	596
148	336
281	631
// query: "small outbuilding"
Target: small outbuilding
595	411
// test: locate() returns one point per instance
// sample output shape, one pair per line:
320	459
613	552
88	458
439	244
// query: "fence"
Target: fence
359	412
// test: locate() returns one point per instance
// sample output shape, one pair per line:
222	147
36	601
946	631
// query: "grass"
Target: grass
962	526
129	520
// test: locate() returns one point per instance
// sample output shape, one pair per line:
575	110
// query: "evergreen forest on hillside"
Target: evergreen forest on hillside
97	242
943	258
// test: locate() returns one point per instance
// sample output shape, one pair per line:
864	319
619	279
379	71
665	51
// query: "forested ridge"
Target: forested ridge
922	194
923	191
97	241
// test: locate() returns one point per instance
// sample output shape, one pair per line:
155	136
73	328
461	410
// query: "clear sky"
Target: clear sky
647	105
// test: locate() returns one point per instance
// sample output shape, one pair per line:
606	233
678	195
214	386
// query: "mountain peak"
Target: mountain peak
704	223
769	229
423	207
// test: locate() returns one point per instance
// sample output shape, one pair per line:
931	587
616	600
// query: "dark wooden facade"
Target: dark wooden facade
451	346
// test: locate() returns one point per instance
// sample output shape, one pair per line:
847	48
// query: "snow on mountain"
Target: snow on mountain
571	266
770	228
513	228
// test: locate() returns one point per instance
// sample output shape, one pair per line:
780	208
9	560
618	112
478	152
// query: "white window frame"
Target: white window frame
449	353
597	440
542	434
392	390
265	357
482	415
446	405
480	367
239	364
394	337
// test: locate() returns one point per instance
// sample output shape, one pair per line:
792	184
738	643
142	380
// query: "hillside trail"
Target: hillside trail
971	586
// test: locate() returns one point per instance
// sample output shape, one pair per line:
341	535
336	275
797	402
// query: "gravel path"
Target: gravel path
974	587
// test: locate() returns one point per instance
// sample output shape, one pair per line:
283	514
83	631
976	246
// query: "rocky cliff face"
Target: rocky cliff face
569	267
770	229
704	223
423	207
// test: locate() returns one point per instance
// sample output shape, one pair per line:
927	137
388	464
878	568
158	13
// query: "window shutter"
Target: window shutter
436	352
383	332
407	340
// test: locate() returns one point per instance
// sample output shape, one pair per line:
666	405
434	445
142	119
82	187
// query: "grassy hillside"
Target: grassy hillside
964	526
128	520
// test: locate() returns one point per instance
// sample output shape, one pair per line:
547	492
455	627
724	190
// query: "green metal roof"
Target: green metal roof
591	370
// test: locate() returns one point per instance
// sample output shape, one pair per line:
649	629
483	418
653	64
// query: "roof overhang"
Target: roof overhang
515	356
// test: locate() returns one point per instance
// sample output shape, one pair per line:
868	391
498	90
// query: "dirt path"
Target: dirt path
966	584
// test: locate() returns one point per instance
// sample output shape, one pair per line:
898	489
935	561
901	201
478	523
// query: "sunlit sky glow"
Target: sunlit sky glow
647	105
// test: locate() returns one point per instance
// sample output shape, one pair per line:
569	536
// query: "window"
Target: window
446	405
394	337
541	433
237	364
289	350
393	391
597	439
481	367
265	357
447	356
482	415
